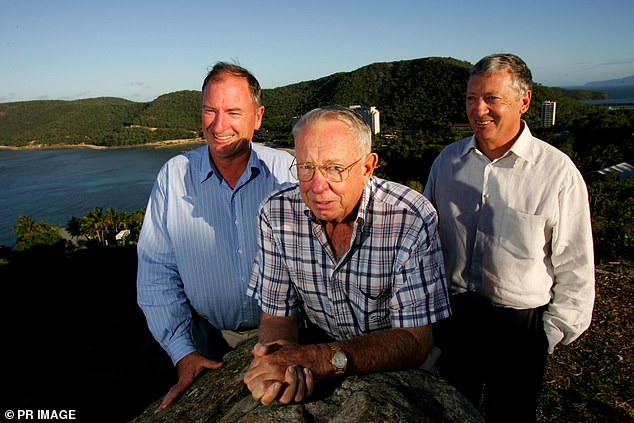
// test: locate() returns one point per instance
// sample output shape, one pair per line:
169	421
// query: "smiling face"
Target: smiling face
331	141
229	116
494	111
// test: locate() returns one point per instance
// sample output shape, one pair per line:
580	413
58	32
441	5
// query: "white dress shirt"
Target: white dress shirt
517	230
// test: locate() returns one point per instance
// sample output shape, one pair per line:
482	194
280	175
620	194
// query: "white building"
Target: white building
371	117
548	113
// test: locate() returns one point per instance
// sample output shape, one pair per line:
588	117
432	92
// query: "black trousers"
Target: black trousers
495	356
208	340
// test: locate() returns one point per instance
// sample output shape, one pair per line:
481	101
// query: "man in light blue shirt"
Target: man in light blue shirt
198	240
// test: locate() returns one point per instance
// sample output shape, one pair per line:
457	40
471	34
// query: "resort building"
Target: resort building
548	113
371	117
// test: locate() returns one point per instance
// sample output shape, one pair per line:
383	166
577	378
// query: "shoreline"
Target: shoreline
155	144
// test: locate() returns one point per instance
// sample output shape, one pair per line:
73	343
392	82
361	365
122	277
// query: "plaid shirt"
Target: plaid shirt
392	275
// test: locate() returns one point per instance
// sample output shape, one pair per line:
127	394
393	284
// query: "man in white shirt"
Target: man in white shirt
517	243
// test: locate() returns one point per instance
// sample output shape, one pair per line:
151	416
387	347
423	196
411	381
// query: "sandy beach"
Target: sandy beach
157	144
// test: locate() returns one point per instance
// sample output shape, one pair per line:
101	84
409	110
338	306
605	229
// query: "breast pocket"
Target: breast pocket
373	306
524	235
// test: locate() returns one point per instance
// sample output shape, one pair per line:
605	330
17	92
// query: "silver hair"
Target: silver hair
362	134
520	73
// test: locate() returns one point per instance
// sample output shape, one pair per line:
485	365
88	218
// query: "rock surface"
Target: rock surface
403	396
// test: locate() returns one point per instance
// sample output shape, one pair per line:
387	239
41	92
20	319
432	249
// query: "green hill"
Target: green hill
100	121
409	94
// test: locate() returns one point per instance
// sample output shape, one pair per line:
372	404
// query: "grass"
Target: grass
590	380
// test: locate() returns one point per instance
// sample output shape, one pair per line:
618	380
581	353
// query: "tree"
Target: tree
74	227
135	222
115	221
103	227
93	226
612	207
31	234
25	226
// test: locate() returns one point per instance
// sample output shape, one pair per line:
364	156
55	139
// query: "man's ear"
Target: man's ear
371	160
526	101
258	117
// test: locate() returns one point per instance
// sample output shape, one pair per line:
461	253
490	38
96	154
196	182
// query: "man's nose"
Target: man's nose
219	123
319	183
481	106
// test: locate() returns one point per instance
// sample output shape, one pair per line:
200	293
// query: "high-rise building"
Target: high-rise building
548	113
371	117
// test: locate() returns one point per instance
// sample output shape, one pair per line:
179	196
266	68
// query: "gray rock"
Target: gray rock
403	396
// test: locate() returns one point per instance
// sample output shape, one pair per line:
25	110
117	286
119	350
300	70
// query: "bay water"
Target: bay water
622	94
53	185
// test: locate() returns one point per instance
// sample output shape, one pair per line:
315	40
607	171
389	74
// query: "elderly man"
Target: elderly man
354	256
198	240
515	229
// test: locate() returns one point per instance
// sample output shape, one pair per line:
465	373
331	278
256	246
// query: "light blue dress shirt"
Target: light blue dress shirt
198	244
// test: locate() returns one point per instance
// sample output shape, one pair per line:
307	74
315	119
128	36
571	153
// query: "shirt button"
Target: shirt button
236	222
239	250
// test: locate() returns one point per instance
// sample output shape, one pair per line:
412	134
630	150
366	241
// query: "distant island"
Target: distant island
627	81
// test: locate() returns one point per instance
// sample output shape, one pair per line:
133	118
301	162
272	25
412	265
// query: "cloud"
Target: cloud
138	84
85	94
624	61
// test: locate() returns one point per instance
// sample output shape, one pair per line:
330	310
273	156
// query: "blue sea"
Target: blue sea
53	185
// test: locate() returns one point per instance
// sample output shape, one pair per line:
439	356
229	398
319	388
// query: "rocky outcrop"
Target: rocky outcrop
403	396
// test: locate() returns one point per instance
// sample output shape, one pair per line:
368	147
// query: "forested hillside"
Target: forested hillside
421	96
100	121
410	94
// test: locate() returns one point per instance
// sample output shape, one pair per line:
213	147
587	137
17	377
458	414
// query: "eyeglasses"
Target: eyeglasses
333	172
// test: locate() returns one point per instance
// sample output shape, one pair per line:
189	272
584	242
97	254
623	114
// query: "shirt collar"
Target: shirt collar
471	145
208	168
521	147
365	201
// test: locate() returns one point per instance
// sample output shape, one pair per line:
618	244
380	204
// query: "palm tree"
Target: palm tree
32	234
25	226
115	221
74	227
135	222
93	226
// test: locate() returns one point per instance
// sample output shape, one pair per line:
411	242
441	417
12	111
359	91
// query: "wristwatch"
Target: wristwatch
338	359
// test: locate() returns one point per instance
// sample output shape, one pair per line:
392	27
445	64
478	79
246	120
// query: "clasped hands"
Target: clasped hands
275	373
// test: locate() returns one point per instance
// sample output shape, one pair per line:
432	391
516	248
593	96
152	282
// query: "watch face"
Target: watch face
339	360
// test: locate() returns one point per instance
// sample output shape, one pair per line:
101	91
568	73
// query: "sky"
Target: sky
139	50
